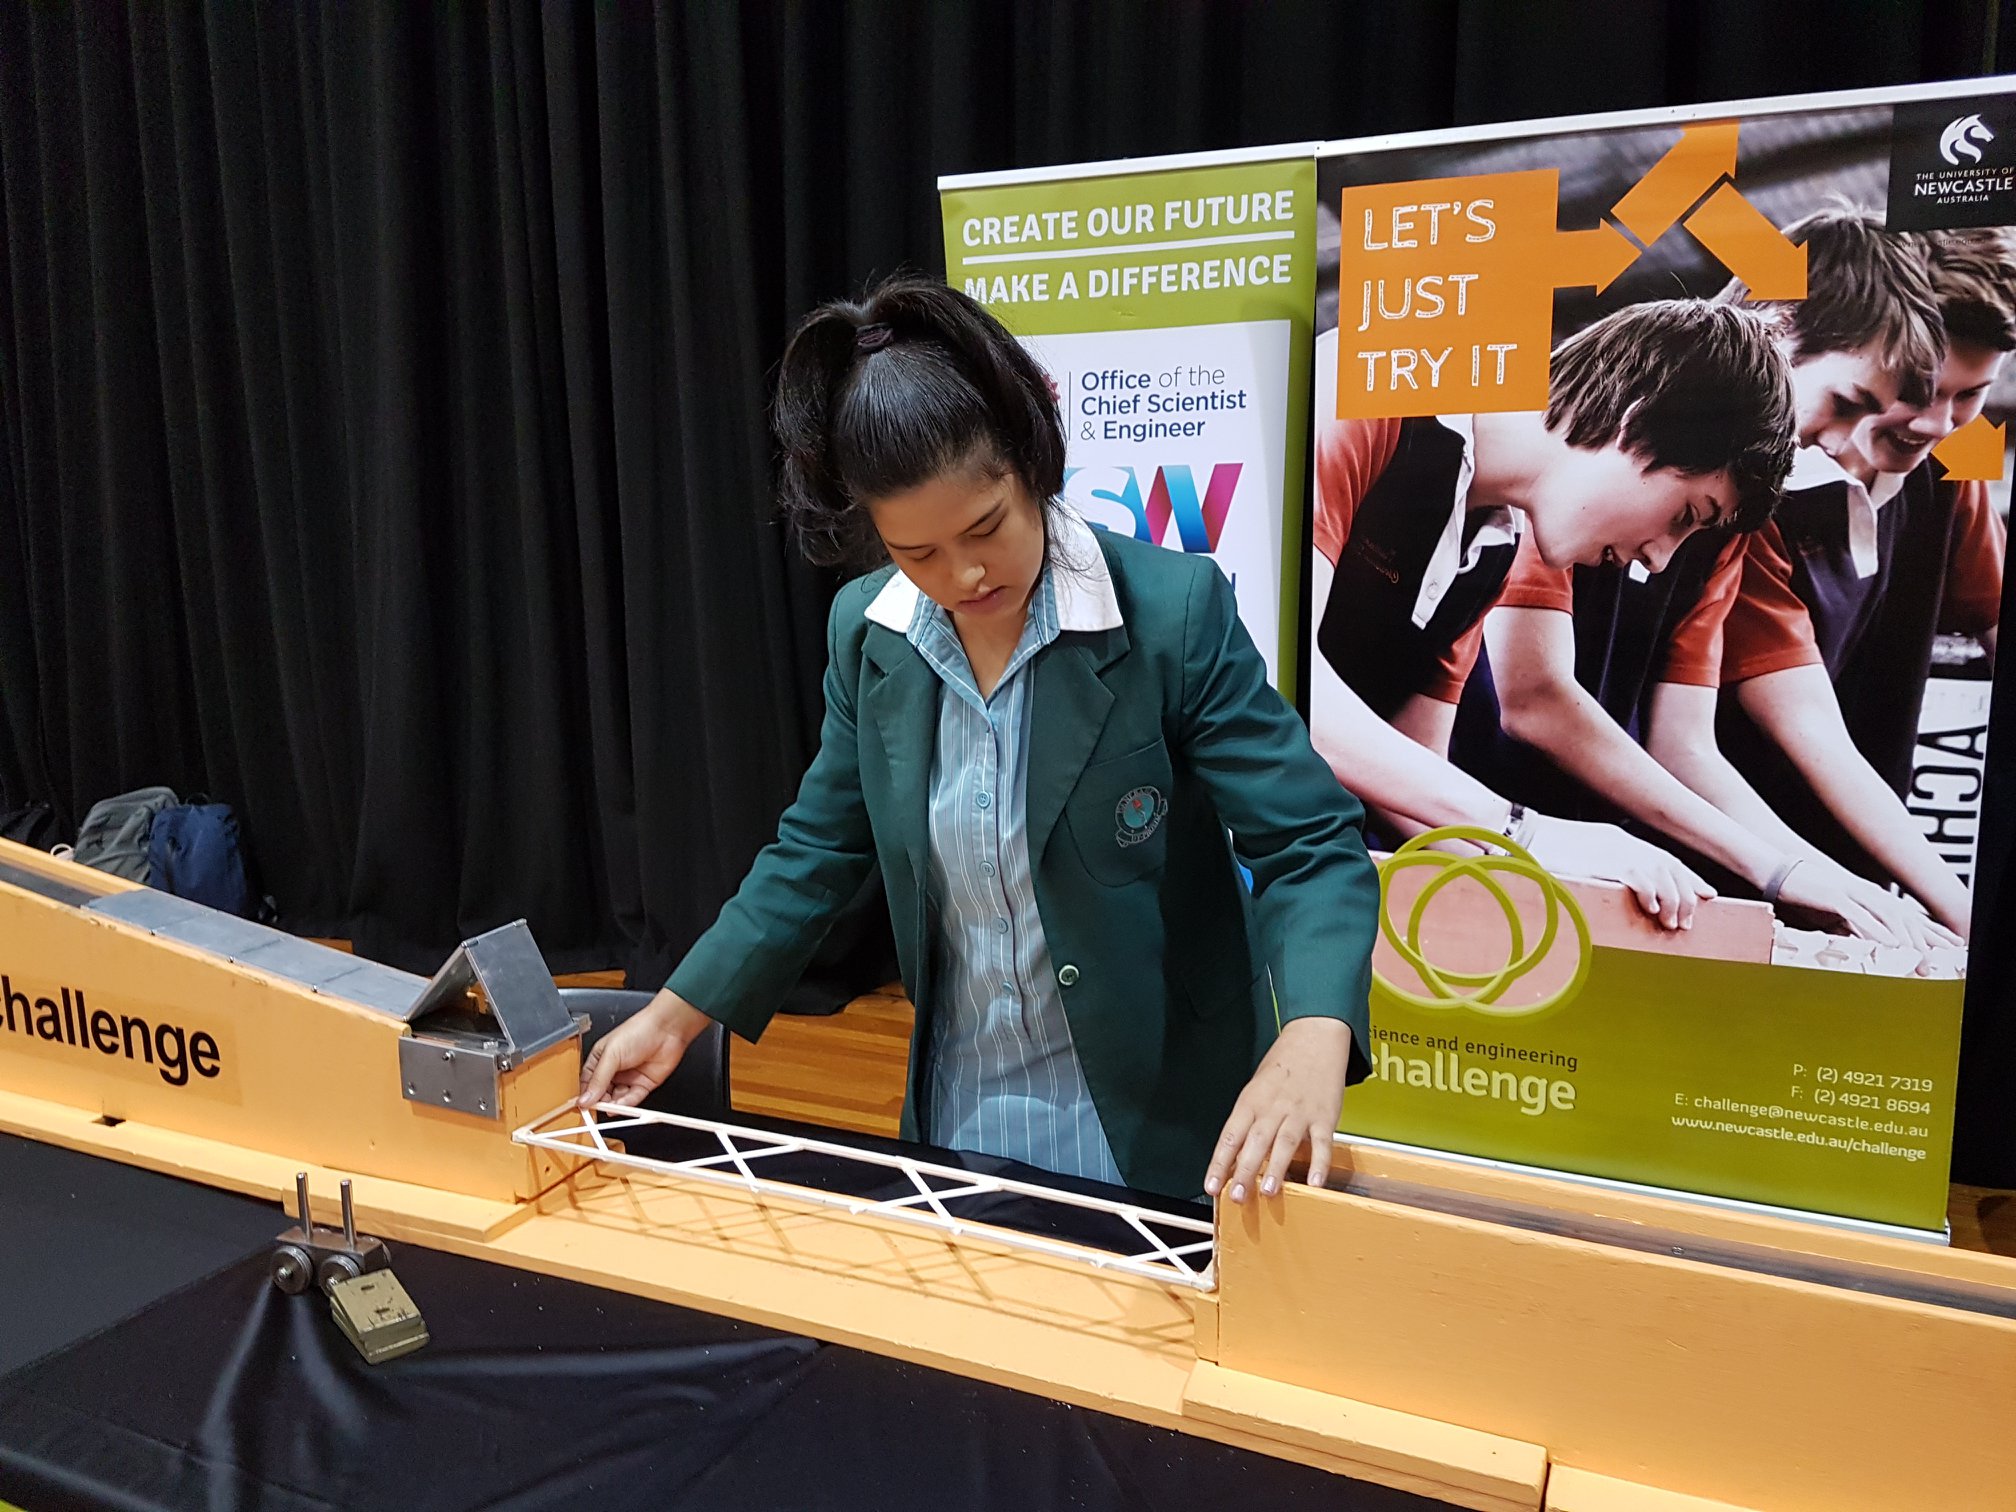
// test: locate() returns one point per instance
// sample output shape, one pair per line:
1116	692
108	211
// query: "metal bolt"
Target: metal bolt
447	1055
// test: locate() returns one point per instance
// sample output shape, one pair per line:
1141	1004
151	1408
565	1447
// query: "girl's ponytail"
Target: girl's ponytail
877	396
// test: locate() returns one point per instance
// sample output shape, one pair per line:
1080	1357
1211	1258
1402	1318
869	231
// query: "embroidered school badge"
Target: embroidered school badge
1138	815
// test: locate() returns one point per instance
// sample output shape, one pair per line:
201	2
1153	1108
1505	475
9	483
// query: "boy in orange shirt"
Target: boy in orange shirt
1663	419
1829	644
1578	663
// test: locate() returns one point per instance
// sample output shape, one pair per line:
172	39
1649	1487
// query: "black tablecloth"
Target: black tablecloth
221	1393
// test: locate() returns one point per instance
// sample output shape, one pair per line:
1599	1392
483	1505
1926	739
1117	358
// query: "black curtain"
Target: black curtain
382	384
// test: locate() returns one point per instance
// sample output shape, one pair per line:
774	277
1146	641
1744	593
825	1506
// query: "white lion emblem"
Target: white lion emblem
1964	138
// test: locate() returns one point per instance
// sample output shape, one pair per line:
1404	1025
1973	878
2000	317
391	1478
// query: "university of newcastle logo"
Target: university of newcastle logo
1952	164
1963	139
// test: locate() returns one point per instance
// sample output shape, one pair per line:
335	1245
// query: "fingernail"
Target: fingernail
1269	1186
1239	1193
1211	1186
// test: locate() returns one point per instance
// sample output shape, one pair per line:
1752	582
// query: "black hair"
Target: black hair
1682	384
909	382
1866	290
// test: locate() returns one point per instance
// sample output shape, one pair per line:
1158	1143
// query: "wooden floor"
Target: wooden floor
847	1071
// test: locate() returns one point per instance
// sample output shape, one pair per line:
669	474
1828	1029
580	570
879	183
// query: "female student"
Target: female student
1041	734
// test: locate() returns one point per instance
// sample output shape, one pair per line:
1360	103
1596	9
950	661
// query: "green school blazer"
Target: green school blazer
1163	959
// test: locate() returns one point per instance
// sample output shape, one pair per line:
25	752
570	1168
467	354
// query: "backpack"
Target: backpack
114	835
193	851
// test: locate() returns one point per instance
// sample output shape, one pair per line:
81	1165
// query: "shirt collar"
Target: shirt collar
1813	468
1082	582
1455	555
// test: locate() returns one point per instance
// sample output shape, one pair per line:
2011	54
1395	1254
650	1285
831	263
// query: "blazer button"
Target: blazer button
1067	976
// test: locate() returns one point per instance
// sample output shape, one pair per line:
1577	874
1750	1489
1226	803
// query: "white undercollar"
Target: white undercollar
1452	556
1084	585
1813	468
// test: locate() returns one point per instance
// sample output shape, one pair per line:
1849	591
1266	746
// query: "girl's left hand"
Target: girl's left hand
1294	1096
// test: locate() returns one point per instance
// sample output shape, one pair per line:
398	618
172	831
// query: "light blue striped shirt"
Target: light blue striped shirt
1004	1078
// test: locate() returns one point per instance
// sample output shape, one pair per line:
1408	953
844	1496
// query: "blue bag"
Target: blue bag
193	851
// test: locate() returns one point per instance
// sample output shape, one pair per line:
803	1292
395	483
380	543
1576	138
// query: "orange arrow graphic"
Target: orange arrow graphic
1689	170
1750	246
1974	452
1595	256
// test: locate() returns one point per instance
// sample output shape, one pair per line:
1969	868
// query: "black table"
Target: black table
146	1362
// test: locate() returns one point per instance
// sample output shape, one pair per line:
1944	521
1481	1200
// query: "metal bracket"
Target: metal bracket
456	1052
313	1254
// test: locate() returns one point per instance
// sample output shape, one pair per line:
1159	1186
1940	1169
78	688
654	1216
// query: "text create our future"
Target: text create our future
1201	220
1138	218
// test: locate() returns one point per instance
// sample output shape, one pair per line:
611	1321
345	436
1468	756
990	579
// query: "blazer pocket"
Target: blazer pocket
1215	992
1118	815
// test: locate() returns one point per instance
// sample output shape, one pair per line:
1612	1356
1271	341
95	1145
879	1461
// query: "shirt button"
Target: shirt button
1001	926
1067	976
986	868
982	799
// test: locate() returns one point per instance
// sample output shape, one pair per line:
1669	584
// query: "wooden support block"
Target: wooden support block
1372	1171
1205	1307
1715	1382
1572	1490
1458	1465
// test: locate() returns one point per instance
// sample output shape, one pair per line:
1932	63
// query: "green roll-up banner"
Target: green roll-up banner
1171	306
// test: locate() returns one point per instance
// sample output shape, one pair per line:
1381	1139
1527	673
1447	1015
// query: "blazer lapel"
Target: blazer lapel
1071	705
900	711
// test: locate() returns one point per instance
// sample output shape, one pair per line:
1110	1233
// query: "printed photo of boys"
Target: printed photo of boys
1830	640
1582	667
1664	420
1733	702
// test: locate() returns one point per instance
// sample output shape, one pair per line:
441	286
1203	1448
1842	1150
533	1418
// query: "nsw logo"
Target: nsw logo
1173	495
1964	138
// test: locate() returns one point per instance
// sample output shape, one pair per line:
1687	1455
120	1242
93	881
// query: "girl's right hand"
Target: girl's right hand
1666	889
640	1052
